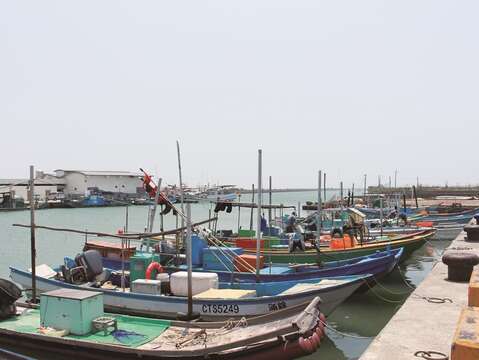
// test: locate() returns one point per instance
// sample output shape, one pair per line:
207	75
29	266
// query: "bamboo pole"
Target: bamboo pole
189	260
365	190
352	196
318	216
324	186
181	184
270	203
251	216
239	213
134	236
33	249
155	205
258	224
381	213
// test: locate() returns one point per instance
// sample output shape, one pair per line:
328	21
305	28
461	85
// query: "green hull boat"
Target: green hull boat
410	243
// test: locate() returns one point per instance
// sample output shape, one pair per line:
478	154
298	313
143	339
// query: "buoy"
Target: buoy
153	266
305	345
315	340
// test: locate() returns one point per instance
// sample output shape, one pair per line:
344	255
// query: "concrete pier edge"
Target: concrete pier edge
420	325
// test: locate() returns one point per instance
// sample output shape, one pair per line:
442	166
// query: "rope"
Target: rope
431	355
232	325
432	299
403	277
341	333
220	244
381	297
229	257
438	254
200	334
390	291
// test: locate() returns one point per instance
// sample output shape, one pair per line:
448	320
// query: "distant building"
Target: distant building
117	183
18	188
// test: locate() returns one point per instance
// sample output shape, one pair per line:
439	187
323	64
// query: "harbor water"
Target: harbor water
357	321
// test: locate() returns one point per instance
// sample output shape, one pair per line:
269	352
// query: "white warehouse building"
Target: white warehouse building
80	182
19	188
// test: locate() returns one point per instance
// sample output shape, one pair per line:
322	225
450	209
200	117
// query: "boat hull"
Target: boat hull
409	244
374	264
278	334
209	309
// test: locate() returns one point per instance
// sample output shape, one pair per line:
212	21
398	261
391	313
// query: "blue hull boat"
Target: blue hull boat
377	264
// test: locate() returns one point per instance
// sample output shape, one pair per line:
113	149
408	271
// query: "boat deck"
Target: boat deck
147	329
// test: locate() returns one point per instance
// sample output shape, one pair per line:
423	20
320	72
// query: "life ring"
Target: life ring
153	266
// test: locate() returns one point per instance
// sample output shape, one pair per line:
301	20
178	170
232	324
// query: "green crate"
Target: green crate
70	309
271	241
138	264
246	233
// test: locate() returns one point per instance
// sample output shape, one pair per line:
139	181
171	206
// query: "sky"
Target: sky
347	87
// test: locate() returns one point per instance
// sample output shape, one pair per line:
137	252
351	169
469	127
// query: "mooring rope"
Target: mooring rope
382	297
403	278
390	291
343	334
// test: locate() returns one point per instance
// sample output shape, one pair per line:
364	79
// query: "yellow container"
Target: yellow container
465	345
474	288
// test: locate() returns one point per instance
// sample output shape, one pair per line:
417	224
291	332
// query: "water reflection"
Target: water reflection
366	314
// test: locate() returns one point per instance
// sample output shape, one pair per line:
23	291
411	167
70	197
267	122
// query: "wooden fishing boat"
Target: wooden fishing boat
285	334
333	291
463	217
12	355
409	243
377	264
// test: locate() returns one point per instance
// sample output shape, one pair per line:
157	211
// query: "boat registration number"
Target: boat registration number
277	306
220	308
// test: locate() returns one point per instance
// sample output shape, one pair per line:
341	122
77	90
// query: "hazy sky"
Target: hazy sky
350	87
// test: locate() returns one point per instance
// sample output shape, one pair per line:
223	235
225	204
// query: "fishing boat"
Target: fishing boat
12	355
441	218
217	193
448	225
377	264
218	305
285	334
409	243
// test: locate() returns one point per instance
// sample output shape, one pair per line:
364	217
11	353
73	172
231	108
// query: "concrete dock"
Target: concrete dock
421	325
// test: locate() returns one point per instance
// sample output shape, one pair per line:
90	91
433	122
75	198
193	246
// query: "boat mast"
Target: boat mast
182	195
189	260
318	217
341	203
381	213
365	189
352	196
258	224
33	250
324	186
239	213
153	211
251	215
270	203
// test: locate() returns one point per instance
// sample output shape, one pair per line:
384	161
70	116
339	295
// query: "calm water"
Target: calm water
362	315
